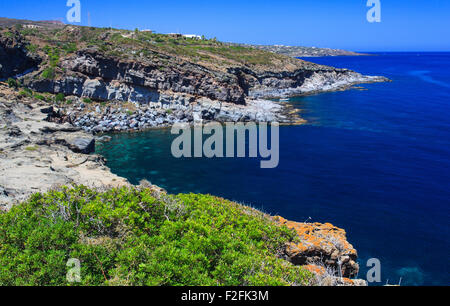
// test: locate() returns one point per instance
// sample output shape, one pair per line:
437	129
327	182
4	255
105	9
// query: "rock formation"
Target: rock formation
14	57
321	244
109	64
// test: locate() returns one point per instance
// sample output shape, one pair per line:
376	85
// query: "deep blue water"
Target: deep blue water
375	162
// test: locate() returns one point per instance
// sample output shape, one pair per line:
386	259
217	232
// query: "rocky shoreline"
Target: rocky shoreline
117	116
37	155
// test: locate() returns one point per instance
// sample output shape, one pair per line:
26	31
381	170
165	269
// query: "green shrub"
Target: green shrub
48	73
40	97
12	83
129	236
70	48
26	92
59	98
87	100
32	48
53	55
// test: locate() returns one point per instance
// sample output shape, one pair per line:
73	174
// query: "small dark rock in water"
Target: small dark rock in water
82	145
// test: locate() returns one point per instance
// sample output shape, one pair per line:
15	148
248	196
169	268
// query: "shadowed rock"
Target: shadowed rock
82	145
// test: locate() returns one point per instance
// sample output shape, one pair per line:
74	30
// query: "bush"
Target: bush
48	73
40	97
70	48
59	98
32	48
26	92
129	236
12	83
87	100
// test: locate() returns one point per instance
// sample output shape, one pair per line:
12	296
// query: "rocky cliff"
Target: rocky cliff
14	57
138	67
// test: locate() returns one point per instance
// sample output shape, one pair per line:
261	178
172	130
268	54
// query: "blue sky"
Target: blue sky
406	25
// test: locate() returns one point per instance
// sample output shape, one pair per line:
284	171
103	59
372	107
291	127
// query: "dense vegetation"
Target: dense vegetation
132	236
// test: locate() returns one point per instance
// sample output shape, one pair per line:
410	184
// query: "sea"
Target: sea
374	160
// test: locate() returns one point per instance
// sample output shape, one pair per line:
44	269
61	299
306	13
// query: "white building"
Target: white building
193	36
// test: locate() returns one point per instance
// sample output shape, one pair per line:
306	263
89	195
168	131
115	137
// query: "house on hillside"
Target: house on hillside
31	26
192	36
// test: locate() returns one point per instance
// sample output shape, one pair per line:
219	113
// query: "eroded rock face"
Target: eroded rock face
94	75
324	244
14	57
90	73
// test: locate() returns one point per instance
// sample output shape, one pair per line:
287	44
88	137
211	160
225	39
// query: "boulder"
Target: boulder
47	110
84	145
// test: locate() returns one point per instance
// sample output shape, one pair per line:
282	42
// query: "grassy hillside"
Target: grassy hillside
66	39
131	236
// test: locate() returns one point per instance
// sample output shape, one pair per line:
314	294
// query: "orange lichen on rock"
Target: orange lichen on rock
321	243
318	270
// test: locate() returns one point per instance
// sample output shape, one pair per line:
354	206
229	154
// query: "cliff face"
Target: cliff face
14	57
90	73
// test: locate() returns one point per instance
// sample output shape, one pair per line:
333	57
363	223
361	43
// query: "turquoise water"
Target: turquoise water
375	162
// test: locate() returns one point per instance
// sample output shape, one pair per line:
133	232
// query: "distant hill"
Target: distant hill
7	22
297	51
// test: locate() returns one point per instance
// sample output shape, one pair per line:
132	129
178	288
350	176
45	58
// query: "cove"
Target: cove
375	162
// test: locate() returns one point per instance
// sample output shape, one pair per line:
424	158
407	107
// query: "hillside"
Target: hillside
111	64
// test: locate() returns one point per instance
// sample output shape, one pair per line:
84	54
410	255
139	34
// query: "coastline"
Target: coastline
35	127
120	116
